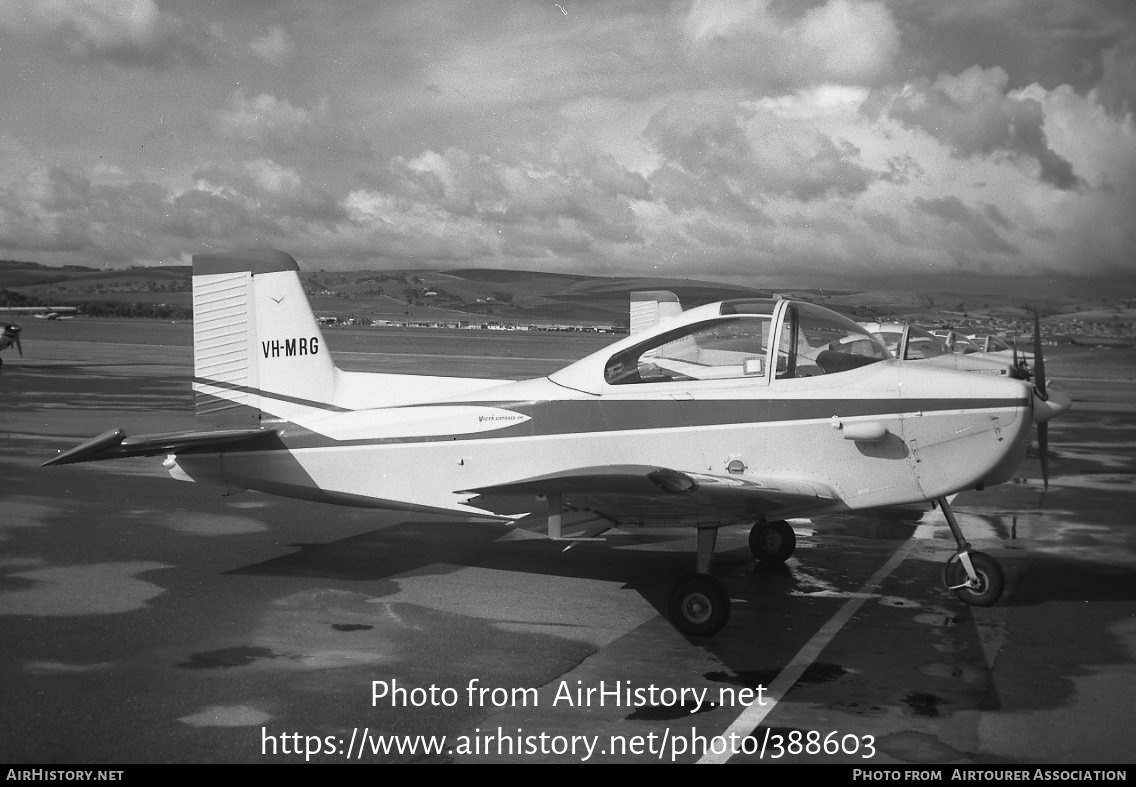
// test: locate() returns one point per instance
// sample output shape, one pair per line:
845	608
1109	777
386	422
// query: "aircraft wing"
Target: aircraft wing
643	494
116	445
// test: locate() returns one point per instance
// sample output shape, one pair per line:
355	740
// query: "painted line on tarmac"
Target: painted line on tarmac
753	715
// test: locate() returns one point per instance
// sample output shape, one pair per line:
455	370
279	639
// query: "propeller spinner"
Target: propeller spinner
12	334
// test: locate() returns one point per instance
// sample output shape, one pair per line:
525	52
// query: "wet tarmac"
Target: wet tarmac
147	620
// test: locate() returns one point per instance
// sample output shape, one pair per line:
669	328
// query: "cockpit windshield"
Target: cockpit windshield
718	349
922	343
815	340
737	344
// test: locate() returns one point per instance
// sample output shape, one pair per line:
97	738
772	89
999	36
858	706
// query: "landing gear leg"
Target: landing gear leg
975	577
698	604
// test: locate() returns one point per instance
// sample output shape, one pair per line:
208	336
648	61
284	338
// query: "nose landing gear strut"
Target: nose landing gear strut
975	577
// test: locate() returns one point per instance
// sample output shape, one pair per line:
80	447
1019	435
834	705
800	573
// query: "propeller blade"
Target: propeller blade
19	347
1043	394
1038	359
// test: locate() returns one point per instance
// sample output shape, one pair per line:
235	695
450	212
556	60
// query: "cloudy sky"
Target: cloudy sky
823	142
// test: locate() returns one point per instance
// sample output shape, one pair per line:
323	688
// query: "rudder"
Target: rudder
650	307
258	352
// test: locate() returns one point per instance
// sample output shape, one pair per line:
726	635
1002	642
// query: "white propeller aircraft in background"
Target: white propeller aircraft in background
987	345
909	342
10	333
738	412
45	312
984	354
991	344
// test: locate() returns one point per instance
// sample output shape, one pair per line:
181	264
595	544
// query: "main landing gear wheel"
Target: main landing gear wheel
772	542
699	605
985	590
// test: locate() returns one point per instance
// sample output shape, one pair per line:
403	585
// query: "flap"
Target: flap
646	494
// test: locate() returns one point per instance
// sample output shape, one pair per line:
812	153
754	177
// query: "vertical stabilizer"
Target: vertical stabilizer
258	352
650	307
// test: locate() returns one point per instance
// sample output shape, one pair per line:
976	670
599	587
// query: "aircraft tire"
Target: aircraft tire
772	542
699	606
991	580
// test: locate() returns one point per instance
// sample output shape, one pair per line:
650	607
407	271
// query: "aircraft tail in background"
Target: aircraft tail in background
650	307
258	352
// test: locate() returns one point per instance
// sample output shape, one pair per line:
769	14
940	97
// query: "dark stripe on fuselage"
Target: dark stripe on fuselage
331	408
579	417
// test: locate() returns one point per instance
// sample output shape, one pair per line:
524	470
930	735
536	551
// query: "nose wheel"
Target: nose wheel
974	577
772	542
699	605
979	586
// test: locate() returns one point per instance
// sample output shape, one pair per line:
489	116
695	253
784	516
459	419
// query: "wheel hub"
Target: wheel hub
697	608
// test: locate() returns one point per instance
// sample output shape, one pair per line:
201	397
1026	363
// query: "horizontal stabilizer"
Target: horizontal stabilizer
116	445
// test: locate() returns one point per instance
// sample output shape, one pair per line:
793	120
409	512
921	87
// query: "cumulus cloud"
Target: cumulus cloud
265	187
279	125
953	215
975	114
757	42
63	211
275	46
397	226
130	33
1117	87
757	151
706	137
592	192
566	202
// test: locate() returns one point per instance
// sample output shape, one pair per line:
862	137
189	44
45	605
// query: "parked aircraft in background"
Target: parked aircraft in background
739	412
45	312
984	346
909	342
996	346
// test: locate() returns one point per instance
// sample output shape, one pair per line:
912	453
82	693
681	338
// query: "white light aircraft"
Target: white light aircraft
738	412
909	342
995	346
46	312
987	346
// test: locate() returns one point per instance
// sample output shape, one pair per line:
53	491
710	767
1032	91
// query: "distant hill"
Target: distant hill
535	297
490	294
497	275
14	273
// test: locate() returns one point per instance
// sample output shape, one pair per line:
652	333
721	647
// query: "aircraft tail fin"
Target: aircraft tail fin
650	307
258	352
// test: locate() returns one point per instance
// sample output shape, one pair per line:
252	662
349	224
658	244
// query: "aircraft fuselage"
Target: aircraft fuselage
887	434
